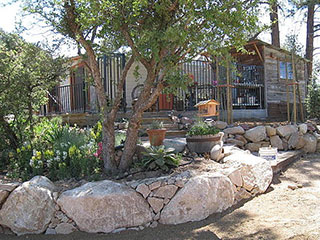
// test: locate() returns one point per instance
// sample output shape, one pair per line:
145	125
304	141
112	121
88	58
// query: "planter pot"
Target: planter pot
156	136
204	143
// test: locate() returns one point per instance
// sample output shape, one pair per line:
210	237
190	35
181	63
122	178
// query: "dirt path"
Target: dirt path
282	213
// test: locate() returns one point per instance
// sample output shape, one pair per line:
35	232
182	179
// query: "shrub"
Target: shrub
160	158
202	128
313	100
58	151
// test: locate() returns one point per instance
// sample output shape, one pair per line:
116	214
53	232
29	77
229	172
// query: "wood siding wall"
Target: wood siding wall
275	87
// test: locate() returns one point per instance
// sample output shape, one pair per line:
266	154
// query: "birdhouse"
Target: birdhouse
207	108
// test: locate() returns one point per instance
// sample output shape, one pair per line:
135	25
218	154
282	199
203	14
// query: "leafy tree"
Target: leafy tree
312	101
26	74
161	35
310	7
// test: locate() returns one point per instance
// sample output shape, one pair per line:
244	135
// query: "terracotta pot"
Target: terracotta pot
156	136
203	143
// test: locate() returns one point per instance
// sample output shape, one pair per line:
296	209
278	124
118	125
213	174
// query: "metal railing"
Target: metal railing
247	86
75	98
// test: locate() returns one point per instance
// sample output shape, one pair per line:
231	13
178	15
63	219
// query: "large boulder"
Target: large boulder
234	130
256	134
310	143
30	207
271	131
3	196
105	206
296	141
178	144
219	124
286	131
201	196
276	142
253	147
235	142
256	172
303	128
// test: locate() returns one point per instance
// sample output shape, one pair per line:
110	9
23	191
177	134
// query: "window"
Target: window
286	70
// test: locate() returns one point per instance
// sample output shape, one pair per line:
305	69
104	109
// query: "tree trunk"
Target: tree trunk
131	141
108	142
13	140
145	100
309	42
274	18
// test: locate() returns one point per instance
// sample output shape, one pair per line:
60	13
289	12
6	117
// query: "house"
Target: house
261	83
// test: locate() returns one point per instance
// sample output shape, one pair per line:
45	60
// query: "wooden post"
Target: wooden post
218	89
299	95
294	89
288	97
229	97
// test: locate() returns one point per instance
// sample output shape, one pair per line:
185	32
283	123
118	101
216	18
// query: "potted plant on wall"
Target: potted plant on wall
156	133
201	137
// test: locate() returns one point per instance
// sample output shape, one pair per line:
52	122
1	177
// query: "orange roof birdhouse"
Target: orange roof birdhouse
207	108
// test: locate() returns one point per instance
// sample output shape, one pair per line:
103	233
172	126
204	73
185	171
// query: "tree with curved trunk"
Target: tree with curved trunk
160	34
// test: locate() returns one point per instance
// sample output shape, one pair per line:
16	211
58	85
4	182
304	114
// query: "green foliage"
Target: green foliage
58	151
292	44
176	81
313	101
120	138
27	72
160	158
96	135
156	125
160	34
202	128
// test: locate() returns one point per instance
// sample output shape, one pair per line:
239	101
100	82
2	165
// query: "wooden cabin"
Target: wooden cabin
261	84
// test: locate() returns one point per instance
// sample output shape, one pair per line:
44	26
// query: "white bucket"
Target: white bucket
268	153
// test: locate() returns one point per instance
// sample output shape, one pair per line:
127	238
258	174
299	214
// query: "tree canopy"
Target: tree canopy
26	74
161	34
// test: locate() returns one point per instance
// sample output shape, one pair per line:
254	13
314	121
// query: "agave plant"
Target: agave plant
160	158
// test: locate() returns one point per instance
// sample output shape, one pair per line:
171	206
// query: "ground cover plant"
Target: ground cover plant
58	151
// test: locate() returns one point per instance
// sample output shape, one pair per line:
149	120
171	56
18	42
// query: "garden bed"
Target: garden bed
111	206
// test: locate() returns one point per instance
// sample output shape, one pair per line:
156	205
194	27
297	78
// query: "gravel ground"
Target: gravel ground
289	210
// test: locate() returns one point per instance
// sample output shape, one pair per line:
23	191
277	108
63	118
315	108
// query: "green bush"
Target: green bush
202	128
313	101
160	158
58	151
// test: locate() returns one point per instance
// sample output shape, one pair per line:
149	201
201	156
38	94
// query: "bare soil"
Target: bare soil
289	210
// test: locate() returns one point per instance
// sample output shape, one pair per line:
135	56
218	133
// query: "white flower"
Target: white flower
49	161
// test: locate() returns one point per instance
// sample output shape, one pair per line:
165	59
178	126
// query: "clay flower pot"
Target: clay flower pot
203	143
156	136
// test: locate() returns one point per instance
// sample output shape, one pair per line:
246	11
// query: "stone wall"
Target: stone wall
304	136
107	206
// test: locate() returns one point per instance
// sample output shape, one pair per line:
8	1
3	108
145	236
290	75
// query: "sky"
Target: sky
9	15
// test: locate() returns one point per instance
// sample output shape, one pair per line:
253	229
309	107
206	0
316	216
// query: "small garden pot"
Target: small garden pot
203	143
156	136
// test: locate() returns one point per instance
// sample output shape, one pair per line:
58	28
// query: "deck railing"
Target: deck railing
74	98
